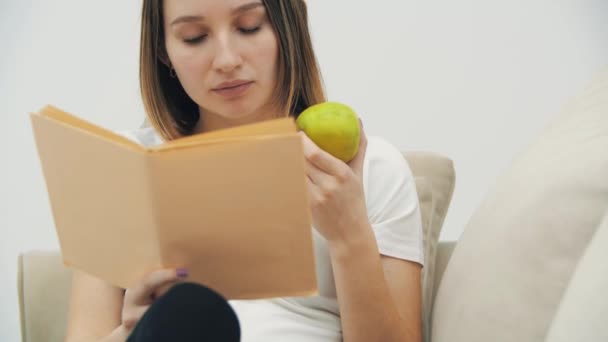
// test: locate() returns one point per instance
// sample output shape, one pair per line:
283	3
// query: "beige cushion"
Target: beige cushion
513	262
583	312
435	178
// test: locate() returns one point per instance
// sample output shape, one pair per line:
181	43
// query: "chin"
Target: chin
237	110
235	113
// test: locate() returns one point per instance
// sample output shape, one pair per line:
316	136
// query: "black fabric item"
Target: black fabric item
188	312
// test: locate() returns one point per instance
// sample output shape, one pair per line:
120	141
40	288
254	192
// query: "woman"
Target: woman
213	64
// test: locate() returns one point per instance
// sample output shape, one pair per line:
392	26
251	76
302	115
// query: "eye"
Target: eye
195	40
247	30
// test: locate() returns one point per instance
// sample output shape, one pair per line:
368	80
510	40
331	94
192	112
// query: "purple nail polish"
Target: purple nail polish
182	272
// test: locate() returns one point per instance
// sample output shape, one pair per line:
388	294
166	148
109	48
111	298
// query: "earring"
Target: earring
172	72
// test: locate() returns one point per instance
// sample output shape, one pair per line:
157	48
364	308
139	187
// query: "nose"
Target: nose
227	57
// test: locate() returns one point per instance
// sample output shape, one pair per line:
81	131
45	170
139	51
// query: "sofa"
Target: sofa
44	282
44	287
529	266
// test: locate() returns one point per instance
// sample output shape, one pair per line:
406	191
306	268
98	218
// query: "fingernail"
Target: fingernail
182	272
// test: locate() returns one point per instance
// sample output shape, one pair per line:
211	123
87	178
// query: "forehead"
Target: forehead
175	8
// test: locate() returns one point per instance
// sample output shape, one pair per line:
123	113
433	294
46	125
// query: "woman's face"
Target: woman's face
224	53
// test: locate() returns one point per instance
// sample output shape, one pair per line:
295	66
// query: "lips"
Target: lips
231	84
232	88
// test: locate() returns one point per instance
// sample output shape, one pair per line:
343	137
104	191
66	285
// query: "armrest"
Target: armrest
44	285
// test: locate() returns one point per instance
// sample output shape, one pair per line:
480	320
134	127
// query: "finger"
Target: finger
317	176
313	192
161	290
357	163
142	293
131	317
320	158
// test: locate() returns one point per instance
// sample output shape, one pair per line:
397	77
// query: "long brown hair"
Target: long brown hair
174	114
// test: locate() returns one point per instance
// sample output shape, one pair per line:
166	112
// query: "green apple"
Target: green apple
334	127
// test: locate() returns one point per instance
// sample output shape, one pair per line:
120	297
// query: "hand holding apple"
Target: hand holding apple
334	147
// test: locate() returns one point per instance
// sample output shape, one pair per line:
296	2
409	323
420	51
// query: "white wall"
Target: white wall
473	80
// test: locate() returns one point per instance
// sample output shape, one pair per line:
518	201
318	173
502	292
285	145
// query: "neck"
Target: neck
211	122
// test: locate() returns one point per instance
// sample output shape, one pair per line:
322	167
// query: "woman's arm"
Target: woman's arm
100	312
95	310
379	297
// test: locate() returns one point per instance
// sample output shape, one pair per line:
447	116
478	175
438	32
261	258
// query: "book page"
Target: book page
270	127
279	126
236	215
71	120
101	202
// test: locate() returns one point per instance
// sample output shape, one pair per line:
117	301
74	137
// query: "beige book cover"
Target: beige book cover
231	206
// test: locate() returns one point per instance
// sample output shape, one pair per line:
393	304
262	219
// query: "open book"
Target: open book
231	206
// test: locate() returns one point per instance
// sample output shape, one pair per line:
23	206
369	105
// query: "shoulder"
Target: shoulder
392	201
384	163
146	136
387	177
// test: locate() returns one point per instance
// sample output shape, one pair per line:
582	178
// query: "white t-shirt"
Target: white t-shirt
394	213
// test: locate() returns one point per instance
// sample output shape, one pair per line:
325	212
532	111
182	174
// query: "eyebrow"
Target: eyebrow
238	10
